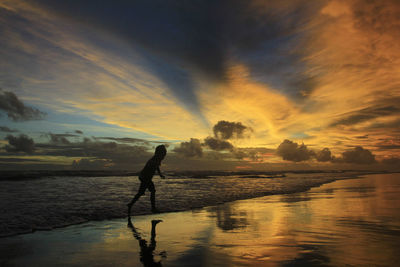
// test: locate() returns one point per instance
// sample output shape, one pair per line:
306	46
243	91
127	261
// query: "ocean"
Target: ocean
346	222
28	205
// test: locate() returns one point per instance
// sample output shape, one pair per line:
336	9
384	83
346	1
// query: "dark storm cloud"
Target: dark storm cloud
217	144
190	149
292	151
323	155
22	143
358	155
16	109
7	130
228	130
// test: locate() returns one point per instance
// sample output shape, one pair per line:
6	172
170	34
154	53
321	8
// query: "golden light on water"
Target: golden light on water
334	224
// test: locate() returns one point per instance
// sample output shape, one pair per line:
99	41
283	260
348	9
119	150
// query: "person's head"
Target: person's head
160	152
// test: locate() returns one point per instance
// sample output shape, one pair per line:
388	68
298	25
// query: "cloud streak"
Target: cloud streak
119	89
322	72
7	130
16	110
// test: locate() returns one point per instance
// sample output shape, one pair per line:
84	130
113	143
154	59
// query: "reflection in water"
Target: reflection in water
315	256
352	222
349	222
229	218
146	251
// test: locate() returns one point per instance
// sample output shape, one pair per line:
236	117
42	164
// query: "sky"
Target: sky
225	85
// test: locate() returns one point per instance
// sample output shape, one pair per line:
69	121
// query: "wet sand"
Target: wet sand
348	222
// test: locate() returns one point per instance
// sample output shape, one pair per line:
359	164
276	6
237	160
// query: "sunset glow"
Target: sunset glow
222	83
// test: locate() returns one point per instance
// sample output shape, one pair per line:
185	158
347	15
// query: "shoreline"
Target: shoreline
329	225
147	213
17	175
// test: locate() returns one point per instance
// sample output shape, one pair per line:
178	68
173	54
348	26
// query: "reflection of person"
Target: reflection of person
146	176
146	251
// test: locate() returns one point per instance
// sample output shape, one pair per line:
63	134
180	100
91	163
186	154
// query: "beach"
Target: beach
50	202
353	222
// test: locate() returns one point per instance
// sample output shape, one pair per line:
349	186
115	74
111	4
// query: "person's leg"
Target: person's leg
152	190
140	192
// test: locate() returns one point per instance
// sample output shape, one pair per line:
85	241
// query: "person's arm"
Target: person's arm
159	173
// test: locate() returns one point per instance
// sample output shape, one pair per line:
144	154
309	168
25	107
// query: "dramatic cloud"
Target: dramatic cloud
322	71
93	76
228	130
201	34
358	155
22	143
217	144
7	130
291	151
323	155
190	149
16	109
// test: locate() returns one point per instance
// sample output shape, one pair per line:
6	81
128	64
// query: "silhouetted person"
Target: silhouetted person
146	251
146	176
